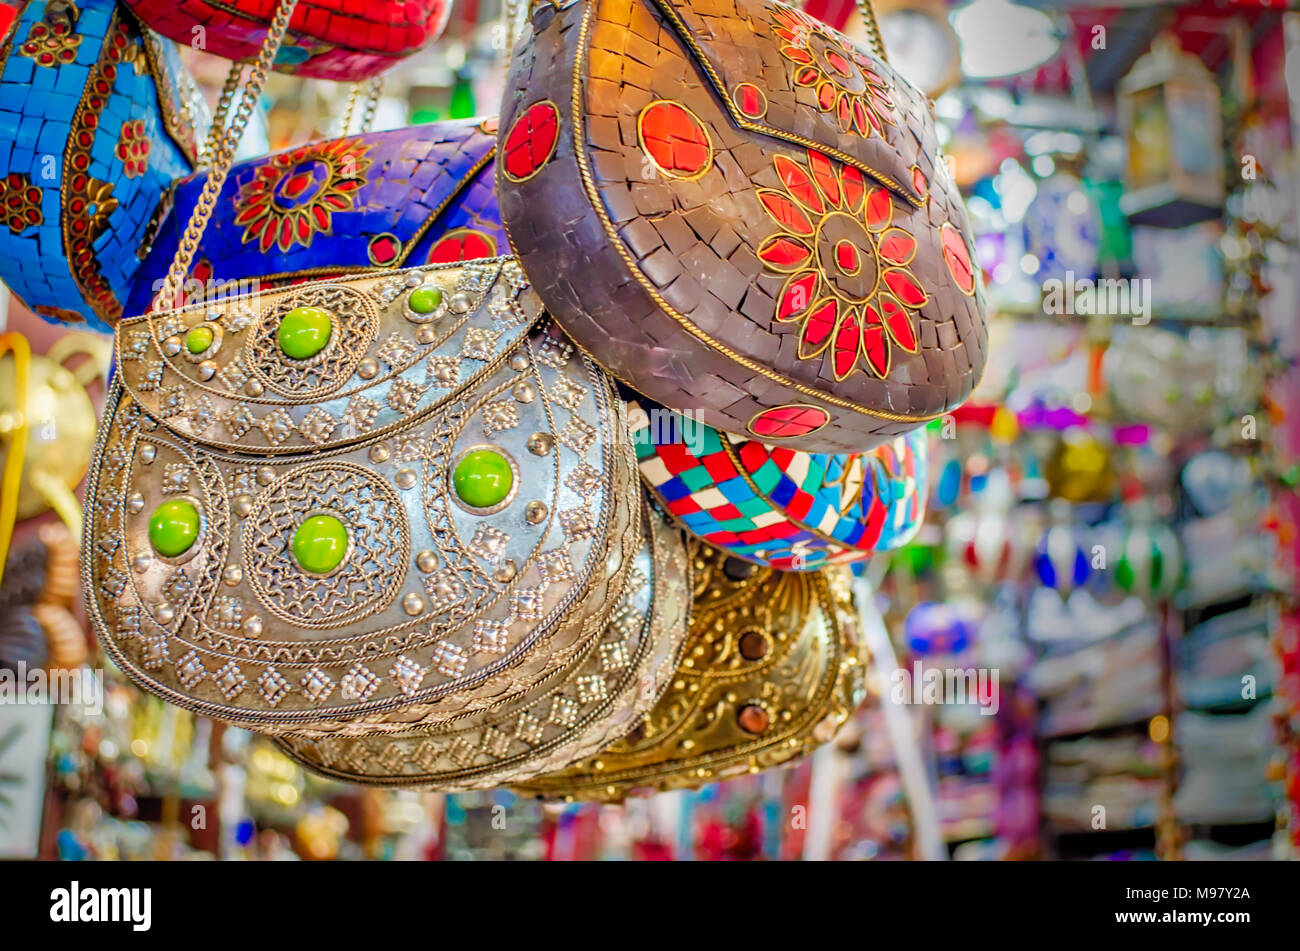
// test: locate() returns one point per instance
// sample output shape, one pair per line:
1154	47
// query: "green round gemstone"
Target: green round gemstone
424	300
199	339
483	478
174	527
319	544
304	332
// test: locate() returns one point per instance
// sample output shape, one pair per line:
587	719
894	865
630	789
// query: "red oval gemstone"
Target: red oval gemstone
782	422
531	140
674	139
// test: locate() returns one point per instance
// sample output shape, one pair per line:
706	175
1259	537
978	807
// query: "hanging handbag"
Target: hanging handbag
744	215
353	505
772	668
341	41
392	199
594	701
102	113
779	506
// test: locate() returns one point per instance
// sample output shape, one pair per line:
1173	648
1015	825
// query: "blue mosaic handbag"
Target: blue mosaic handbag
98	118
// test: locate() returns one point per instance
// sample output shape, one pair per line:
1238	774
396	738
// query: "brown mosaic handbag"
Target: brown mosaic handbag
741	214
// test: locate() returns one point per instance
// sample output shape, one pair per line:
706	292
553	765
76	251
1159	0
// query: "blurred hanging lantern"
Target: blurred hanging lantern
1169	111
1063	230
1079	468
922	44
989	543
933	628
1150	564
1061	562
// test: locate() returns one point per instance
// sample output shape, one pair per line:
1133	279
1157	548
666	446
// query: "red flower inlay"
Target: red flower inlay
782	422
850	287
133	148
293	196
845	80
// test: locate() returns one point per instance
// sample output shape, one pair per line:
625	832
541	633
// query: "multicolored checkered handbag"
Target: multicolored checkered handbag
97	119
744	215
327	39
778	506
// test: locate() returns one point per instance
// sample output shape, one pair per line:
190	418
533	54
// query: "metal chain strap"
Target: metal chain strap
874	36
368	92
223	156
223	109
512	16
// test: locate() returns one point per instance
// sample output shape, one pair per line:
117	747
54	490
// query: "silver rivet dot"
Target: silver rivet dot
265	475
253	626
253	388
233	575
459	303
426	561
405	478
519	363
539	444
380	452
135	503
243	504
535	512
506	571
368	368
413	604
414	279
172	346
207	370
524	391
148	453
425	334
141	562
163	613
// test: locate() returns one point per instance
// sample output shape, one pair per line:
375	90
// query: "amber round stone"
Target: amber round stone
753	718
753	646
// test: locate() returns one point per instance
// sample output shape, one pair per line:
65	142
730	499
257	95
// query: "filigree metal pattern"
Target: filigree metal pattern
379	543
354	319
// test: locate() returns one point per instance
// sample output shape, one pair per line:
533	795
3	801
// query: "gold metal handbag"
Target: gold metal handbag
596	699
772	668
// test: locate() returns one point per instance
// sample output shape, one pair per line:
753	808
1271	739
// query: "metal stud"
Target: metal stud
233	575
539	444
253	388
519	363
413	604
265	475
426	561
253	626
207	369
172	346
535	512
506	571
405	478
368	368
425	334
148	453
243	504
141	562
379	453
135	503
459	303
524	391
163	613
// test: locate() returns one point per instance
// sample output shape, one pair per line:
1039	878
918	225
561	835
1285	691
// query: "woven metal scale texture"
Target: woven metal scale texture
744	216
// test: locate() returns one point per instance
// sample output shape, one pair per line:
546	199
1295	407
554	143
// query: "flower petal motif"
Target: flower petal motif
785	212
818	328
799	184
797	295
823	173
796	55
905	287
897	246
807	76
875	345
826	95
854	188
879	210
784	253
898	323
847	343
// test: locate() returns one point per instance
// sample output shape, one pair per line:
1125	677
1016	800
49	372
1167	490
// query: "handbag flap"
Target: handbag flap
322	365
783	73
385	199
